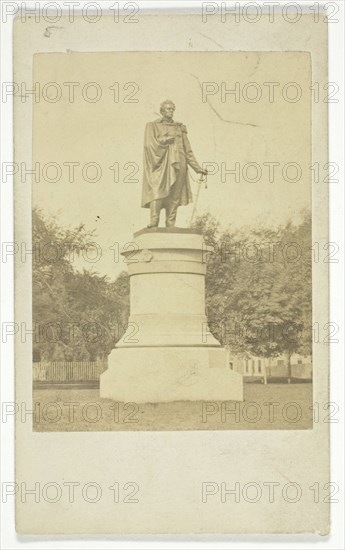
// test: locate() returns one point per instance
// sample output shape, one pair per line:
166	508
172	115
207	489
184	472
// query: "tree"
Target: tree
258	288
76	315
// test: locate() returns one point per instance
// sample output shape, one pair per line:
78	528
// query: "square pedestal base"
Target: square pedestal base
163	374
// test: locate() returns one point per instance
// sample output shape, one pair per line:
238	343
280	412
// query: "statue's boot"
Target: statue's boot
155	210
171	212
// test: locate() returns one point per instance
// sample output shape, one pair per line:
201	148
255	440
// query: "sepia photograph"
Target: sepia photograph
173	240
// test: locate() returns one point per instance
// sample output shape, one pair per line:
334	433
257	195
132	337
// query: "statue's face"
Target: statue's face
168	110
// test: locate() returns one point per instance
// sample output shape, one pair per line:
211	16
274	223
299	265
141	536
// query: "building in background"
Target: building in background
274	369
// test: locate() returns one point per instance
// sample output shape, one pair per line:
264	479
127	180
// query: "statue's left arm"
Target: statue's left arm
191	160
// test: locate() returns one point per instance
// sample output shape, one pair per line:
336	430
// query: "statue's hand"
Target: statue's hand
203	172
170	140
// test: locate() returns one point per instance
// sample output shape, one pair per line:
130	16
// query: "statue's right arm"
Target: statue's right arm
152	137
155	149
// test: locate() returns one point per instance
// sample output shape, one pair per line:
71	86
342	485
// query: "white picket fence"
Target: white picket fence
65	371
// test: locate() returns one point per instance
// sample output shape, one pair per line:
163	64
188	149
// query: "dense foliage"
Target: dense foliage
259	288
77	315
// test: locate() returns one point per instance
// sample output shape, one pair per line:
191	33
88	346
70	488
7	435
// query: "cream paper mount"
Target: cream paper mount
204	453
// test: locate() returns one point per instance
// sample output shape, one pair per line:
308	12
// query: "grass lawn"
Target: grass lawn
275	406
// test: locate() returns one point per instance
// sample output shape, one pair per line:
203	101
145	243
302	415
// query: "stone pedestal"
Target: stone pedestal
167	352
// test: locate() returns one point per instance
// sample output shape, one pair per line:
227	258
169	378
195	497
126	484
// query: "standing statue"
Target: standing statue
167	154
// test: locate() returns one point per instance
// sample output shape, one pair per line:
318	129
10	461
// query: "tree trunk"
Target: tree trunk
289	374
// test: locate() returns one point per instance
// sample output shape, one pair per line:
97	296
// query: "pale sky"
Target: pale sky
110	133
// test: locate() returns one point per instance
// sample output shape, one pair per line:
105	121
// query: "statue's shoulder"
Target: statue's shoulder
153	124
182	126
151	127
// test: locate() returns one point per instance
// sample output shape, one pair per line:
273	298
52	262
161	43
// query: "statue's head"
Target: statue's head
167	108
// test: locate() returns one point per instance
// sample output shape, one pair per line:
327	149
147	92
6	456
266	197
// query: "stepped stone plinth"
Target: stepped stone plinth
167	352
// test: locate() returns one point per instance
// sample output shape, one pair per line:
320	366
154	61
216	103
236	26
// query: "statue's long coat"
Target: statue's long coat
165	163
